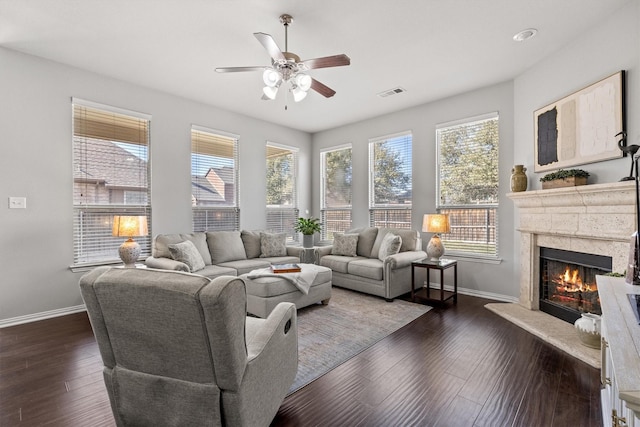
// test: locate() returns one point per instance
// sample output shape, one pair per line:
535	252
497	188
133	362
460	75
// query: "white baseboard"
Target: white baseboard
41	316
476	293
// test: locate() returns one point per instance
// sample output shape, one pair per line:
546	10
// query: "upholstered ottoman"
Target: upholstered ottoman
265	290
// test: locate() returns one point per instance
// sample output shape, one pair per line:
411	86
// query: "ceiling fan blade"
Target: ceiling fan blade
270	44
237	69
327	61
323	90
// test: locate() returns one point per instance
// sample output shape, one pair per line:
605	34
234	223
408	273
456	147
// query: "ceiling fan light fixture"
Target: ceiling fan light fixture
271	77
303	81
298	94
270	92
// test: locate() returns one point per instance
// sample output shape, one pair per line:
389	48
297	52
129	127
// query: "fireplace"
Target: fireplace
568	282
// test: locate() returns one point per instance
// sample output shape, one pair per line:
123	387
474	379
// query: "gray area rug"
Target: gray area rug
329	335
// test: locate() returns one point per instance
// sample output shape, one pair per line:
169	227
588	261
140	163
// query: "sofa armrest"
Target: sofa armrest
322	251
403	259
295	251
166	264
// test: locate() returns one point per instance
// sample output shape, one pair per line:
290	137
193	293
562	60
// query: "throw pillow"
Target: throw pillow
390	246
273	244
344	244
225	246
251	241
188	253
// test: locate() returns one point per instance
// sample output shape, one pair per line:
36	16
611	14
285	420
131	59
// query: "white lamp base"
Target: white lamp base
129	253
435	248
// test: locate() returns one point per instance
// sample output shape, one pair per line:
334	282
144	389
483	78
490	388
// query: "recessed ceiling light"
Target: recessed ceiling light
525	34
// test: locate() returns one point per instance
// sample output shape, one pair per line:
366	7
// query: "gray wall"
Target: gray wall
35	134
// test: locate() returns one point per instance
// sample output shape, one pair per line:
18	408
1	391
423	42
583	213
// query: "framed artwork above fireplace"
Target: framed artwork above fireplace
581	128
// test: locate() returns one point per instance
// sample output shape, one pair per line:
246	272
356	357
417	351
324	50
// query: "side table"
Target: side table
424	292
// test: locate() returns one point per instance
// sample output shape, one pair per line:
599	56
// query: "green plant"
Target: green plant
307	226
565	173
614	274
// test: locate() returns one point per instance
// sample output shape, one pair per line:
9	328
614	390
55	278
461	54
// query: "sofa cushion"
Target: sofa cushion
162	241
213	271
251	241
366	238
273	244
344	244
337	263
187	253
390	246
225	246
371	268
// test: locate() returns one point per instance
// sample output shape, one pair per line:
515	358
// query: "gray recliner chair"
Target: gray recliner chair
179	350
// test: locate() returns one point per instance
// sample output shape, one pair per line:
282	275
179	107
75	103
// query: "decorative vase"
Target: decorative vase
518	178
588	329
307	240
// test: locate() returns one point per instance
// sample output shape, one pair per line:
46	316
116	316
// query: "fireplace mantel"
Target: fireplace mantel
597	218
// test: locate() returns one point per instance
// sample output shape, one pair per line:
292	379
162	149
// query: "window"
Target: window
335	191
390	181
110	177
467	156
214	180
282	199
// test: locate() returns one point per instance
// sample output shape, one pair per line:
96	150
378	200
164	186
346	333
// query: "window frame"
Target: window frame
398	215
95	219
280	218
490	211
325	211
203	215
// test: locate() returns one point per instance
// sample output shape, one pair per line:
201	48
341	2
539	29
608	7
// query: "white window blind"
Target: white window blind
390	181
336	174
281	186
214	180
467	153
110	177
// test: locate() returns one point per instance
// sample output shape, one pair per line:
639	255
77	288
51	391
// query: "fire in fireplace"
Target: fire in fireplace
568	282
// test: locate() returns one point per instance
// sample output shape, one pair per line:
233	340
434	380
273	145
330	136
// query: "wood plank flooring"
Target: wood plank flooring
455	366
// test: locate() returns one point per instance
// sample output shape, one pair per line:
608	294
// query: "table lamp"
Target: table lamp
435	223
129	226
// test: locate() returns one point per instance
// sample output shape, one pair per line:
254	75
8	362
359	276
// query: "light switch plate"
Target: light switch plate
17	202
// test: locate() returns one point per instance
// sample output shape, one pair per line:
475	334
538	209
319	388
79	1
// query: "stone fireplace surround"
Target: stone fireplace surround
597	219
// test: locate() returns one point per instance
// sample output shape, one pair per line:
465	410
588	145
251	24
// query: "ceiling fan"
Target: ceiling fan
286	67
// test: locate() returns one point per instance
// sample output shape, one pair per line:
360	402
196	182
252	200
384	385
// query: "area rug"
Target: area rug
329	335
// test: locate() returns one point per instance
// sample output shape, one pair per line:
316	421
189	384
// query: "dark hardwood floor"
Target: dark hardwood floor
454	366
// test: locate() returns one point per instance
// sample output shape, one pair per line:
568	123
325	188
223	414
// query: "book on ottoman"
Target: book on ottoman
285	268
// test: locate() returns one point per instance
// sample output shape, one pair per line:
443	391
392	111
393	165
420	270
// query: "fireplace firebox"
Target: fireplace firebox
568	282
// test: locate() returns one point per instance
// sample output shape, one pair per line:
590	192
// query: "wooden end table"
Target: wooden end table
424	293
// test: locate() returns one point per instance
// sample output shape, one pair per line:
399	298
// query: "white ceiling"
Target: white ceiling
431	48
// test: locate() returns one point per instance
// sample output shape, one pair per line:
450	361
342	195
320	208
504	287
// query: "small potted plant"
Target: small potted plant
308	227
564	178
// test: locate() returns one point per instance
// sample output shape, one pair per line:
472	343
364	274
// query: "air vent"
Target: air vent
390	92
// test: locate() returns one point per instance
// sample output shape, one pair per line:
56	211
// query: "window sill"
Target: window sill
472	258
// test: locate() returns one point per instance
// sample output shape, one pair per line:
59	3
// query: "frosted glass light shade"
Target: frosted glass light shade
298	94
270	92
303	81
271	77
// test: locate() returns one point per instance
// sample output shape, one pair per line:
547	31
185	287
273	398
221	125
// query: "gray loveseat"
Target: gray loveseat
220	253
363	268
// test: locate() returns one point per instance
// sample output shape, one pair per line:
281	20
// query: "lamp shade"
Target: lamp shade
435	223
129	226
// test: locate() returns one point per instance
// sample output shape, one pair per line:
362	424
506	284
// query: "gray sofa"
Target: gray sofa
364	269
220	253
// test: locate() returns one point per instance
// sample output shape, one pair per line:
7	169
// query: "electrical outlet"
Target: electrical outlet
17	202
